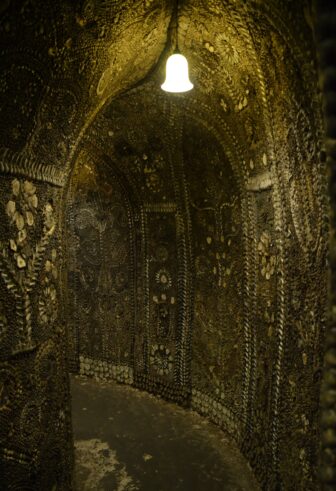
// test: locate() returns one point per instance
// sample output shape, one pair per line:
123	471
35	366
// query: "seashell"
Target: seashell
22	235
12	245
19	220
163	279
29	188
33	201
30	218
16	187
21	263
48	208
10	208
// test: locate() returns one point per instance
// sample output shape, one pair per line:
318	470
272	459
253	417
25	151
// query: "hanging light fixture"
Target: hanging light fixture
177	70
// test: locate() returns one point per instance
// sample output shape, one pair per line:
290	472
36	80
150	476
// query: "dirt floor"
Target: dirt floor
127	440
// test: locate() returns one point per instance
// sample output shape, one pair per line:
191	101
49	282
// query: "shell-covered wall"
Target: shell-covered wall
156	248
35	433
209	233
181	241
326	42
58	64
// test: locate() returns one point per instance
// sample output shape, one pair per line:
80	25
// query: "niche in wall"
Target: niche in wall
156	260
102	273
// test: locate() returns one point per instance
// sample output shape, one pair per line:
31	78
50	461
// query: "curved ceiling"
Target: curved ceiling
244	59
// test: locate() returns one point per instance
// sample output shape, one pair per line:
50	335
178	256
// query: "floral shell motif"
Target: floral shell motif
21	210
152	169
228	50
163	278
22	260
161	359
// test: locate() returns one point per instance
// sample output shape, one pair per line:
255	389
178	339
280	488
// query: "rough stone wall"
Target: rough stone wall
258	109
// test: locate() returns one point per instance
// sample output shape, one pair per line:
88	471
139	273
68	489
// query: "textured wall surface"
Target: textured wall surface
59	63
170	240
196	226
326	42
35	433
217	198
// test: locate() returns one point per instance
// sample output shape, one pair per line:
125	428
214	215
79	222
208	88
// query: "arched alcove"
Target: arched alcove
180	241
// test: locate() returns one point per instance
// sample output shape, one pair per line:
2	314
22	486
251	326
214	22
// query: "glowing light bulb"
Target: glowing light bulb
177	74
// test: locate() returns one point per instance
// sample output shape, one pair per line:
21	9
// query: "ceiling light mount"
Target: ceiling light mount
177	70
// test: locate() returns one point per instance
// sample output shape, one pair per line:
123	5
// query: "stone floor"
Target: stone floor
127	440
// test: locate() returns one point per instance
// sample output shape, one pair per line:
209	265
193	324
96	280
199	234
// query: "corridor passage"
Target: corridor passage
127	440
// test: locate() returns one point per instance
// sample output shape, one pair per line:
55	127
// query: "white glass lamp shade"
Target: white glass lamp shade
177	74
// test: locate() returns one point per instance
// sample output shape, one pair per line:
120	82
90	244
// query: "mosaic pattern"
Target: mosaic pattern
211	304
34	393
101	275
206	279
22	258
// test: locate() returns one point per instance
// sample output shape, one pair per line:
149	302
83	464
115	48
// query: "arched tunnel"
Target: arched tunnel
174	243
